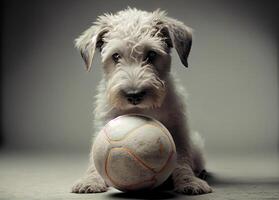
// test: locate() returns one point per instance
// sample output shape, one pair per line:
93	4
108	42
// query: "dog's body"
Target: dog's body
135	48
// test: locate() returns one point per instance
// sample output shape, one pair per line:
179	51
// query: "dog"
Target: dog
135	48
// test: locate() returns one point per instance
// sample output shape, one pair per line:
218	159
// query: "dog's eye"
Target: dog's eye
151	55
116	57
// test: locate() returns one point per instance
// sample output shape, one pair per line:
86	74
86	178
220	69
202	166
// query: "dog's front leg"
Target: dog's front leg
185	180
91	182
183	175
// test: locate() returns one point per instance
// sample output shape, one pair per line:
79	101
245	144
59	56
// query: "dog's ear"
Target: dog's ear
87	43
180	35
162	31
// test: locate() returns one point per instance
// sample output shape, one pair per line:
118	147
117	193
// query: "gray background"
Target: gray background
232	80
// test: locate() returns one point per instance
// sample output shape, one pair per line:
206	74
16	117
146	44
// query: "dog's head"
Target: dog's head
135	48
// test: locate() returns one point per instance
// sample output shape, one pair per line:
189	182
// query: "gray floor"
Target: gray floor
50	176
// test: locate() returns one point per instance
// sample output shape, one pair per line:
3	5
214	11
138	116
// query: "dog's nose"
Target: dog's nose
135	97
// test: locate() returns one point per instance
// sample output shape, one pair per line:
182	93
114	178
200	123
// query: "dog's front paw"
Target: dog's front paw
90	185
194	186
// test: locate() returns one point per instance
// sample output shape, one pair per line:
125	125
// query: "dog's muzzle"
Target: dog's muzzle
135	97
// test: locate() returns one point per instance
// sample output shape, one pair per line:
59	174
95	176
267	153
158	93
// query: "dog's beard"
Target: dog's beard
150	82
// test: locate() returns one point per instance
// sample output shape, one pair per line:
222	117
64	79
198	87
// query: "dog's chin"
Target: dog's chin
144	105
141	106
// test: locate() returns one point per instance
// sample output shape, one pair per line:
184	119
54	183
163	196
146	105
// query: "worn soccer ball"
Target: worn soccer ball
134	152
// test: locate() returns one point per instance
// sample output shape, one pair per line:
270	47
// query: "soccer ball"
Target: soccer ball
134	152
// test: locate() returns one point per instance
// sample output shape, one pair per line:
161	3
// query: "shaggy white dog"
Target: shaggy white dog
135	48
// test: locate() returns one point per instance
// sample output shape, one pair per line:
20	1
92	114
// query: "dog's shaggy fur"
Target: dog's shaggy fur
135	49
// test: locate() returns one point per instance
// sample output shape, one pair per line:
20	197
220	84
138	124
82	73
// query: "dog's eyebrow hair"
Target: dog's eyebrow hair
110	51
160	52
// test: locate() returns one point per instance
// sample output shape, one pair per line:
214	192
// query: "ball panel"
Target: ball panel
117	129
166	169
151	145
147	184
165	131
101	148
124	169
